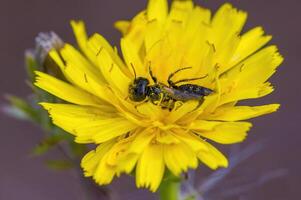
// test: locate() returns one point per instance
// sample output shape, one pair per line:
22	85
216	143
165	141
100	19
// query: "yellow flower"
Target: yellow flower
143	135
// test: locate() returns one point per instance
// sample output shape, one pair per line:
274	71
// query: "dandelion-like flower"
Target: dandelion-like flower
170	132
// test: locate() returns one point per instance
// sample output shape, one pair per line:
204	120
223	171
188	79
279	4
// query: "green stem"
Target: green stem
169	190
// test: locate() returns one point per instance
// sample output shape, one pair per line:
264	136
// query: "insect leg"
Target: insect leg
172	74
171	105
200	102
178	104
190	79
141	103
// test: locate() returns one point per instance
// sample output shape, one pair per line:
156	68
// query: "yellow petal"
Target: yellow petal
167	137
89	124
97	43
195	33
104	173
250	43
250	93
79	30
226	25
213	158
123	26
150	167
114	76
227	132
127	164
179	157
241	112
247	79
150	111
193	141
136	31
77	111
81	73
131	56
120	158
77	60
255	70
64	90
67	116
142	140
113	71
180	10
157	9
204	125
92	159
103	130
182	110
227	21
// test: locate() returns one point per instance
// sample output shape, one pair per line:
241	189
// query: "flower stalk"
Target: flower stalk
169	190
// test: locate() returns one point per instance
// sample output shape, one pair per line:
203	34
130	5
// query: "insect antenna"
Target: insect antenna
151	72
134	71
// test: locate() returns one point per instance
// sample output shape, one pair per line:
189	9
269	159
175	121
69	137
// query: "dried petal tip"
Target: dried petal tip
45	42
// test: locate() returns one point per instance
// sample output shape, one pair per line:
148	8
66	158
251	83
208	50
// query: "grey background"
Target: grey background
25	177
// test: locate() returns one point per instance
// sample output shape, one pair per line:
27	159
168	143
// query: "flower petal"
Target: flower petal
213	158
193	141
135	32
97	42
246	93
123	26
81	73
167	137
131	56
104	173
79	30
142	140
250	76
92	159
179	157
227	21
204	125
157	9
88	124
226	25
103	130
150	167
111	70
180	10
181	111
238	113
226	132
65	91
250	43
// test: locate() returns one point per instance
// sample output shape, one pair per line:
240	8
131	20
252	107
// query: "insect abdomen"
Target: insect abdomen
191	92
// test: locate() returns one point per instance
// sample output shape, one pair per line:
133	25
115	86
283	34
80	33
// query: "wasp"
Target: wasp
166	95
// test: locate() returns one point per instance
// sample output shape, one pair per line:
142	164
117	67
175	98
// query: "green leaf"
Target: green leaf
47	144
14	112
21	109
31	65
78	149
59	164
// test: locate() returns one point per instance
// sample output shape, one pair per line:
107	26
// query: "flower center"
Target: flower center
162	126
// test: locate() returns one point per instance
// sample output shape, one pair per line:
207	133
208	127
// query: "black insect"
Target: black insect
166	96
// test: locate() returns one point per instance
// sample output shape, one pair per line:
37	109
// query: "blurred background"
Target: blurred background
273	172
